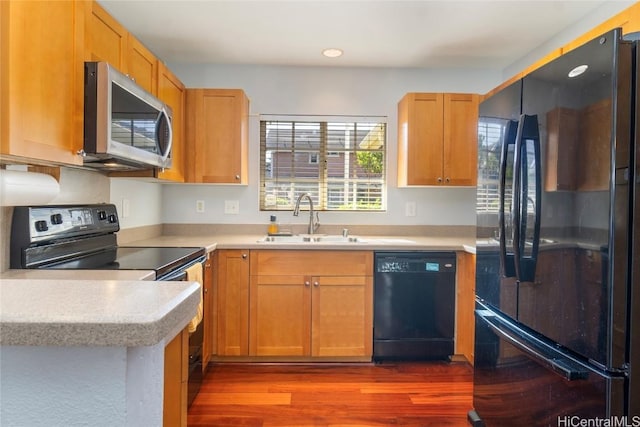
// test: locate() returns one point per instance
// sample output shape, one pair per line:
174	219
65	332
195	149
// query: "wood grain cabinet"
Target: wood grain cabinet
233	302
437	139
42	105
311	304
217	136
107	40
208	304
172	91
176	380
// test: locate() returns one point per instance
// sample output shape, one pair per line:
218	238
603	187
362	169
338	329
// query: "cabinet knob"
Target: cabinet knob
81	153
307	283
440	179
238	177
448	179
316	283
244	256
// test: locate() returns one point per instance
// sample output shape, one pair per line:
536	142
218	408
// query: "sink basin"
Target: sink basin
311	238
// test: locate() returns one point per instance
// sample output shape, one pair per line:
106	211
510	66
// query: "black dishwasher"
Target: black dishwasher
414	305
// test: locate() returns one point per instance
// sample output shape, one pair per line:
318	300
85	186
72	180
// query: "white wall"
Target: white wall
326	91
144	200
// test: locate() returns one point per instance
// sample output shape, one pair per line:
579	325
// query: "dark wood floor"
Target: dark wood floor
389	394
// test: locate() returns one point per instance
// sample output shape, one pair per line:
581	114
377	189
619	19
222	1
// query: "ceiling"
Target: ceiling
372	33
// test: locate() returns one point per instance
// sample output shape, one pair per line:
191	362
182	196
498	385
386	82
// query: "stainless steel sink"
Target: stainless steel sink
311	238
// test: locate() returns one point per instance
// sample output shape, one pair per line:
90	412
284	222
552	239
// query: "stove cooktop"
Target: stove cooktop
159	259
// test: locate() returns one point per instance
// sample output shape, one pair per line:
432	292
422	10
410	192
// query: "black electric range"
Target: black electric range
83	237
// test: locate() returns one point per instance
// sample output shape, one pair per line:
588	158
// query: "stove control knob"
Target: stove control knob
113	219
102	215
56	219
41	226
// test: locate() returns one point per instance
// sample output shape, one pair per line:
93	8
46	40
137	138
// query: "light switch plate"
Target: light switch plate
200	206
231	207
126	208
410	209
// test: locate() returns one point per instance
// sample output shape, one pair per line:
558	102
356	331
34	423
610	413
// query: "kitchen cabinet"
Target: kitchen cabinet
233	302
172	91
311	304
465	305
42	105
176	376
437	139
217	136
208	304
107	40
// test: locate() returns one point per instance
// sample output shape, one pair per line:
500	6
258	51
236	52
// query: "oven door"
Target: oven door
195	338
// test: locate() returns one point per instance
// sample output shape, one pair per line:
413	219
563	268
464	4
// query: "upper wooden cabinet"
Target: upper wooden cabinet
437	139
42	81
172	91
107	40
217	136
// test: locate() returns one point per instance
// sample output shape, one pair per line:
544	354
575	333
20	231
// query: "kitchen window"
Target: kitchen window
339	161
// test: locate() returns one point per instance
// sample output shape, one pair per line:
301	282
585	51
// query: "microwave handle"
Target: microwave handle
165	113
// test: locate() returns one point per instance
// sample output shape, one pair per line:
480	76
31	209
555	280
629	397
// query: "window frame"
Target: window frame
350	189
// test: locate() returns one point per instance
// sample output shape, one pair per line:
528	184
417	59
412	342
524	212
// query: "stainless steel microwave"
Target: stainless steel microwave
125	127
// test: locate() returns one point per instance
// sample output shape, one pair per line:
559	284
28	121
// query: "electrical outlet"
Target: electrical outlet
410	209
126	208
200	206
231	207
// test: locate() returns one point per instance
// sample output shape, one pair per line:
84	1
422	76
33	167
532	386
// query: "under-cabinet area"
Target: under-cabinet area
311	305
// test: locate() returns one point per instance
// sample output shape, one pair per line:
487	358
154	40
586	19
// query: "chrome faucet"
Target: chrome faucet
314	223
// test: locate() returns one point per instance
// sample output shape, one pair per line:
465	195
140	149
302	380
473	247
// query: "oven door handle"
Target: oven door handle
176	276
180	275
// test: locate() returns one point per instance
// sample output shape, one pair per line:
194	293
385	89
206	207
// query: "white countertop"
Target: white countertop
93	312
251	241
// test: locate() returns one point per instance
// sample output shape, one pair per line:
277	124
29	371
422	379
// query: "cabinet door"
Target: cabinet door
42	105
460	139
172	91
420	134
280	316
106	39
217	135
176	376
342	316
209	335
233	303
142	64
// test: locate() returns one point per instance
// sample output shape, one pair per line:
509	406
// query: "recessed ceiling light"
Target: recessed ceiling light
332	52
578	70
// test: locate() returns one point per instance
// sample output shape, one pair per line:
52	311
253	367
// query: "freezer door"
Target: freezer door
520	380
578	294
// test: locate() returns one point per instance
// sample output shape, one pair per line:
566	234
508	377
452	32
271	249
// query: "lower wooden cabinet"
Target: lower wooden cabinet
176	376
232	302
311	304
209	332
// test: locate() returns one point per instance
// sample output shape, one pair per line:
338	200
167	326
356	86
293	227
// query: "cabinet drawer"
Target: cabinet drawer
312	263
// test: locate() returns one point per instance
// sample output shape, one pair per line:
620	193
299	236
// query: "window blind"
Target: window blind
341	164
490	137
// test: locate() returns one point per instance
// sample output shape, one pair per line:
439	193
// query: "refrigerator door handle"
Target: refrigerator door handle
507	263
528	131
545	355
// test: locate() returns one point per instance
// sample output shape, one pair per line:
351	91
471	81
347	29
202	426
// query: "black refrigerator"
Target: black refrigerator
557	335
